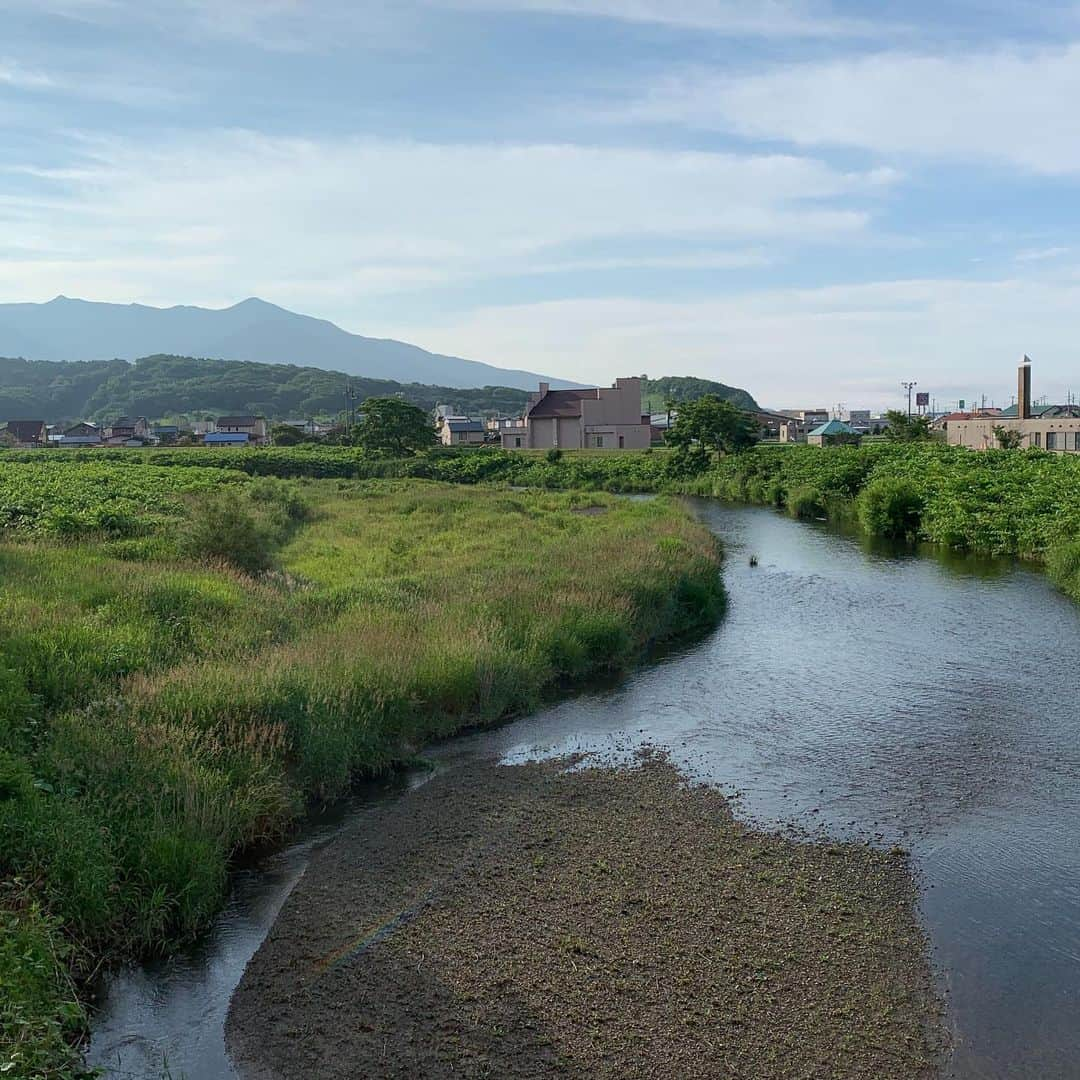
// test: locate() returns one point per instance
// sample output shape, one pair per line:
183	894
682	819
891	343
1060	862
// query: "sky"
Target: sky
812	200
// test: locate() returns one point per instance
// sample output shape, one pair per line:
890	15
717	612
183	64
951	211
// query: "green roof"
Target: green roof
833	427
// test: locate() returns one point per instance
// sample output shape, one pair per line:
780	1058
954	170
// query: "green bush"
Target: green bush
805	502
224	529
1063	566
890	506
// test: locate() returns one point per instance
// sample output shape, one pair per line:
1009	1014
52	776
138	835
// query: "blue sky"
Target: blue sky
813	201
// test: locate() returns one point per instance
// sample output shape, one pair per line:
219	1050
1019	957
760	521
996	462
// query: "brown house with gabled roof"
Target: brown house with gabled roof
254	427
26	434
597	418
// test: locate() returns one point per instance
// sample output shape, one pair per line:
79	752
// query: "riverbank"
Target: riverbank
528	921
1000	502
166	708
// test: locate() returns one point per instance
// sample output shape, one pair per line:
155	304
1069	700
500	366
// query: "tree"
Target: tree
904	428
393	426
1008	438
714	425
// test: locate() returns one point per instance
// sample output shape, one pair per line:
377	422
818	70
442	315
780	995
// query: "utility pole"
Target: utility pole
909	386
350	407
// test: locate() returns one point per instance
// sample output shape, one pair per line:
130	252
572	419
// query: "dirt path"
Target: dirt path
531	922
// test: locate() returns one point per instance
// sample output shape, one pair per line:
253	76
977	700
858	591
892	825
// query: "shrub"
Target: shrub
805	502
223	529
890	506
553	456
1063	566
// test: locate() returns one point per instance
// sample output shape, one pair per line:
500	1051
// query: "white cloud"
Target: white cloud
383	215
766	18
796	347
15	75
1011	105
1041	254
275	25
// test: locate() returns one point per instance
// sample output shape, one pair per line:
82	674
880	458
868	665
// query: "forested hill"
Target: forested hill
160	387
656	393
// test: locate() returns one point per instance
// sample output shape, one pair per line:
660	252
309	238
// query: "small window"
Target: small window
1035	438
1076	440
517	442
1051	440
599	444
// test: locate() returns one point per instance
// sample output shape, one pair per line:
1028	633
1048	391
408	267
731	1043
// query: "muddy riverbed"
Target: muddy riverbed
864	691
528	922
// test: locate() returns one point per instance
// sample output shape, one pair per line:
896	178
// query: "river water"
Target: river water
916	698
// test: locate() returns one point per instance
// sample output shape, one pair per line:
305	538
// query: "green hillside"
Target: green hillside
656	393
160	387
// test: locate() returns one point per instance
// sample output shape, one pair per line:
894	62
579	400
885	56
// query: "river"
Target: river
863	689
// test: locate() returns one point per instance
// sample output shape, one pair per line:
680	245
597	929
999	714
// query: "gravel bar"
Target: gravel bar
557	920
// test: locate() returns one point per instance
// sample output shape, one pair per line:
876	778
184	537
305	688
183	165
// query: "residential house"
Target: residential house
1046	427
833	433
792	431
166	433
82	434
810	418
254	427
26	434
309	426
227	438
127	430
461	431
602	418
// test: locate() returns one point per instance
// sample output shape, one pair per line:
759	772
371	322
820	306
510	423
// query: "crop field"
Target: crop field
57	497
179	689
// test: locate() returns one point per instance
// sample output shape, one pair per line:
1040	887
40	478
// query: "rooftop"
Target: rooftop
562	403
833	427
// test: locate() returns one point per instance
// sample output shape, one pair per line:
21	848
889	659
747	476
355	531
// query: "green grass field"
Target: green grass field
162	707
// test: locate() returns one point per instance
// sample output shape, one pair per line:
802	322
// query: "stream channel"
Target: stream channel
920	698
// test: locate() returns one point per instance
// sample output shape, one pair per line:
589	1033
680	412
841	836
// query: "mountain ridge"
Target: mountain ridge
69	329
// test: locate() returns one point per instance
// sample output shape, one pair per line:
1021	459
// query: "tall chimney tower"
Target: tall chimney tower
1023	390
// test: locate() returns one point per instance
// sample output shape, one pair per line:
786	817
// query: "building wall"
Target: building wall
618	404
978	433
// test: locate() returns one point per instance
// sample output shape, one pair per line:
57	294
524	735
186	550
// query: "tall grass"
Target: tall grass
164	709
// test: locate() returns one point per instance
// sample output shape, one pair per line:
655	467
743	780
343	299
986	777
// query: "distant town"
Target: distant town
593	418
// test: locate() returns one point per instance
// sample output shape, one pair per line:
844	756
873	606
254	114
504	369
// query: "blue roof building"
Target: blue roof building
227	438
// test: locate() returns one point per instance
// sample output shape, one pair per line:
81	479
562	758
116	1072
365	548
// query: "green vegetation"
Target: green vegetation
179	689
161	387
709	426
996	501
659	395
907	428
392	426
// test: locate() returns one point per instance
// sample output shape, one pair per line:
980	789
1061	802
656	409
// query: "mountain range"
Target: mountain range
67	330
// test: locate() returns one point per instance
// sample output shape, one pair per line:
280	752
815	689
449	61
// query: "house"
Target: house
166	433
308	426
461	431
792	431
833	433
127	427
227	438
1045	427
254	427
26	434
81	435
599	418
810	418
